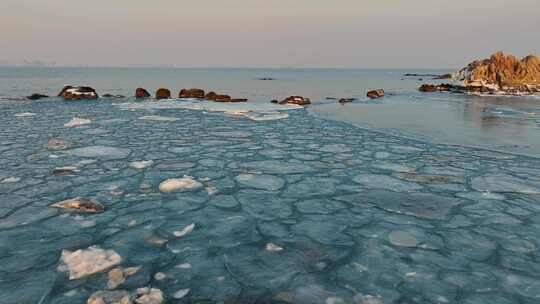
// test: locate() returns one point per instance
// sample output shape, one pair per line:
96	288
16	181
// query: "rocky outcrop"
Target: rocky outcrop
375	94
213	96
501	74
163	93
431	88
78	93
141	93
346	100
191	93
297	100
36	96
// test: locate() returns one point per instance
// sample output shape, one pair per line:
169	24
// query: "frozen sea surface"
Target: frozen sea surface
360	216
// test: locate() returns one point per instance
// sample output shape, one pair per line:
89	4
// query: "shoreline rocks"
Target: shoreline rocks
78	93
297	100
191	93
375	94
163	93
501	75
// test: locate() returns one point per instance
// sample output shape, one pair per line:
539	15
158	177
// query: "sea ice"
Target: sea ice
276	167
76	121
186	183
158	118
402	239
181	293
101	152
185	231
262	181
376	181
86	262
500	183
25	114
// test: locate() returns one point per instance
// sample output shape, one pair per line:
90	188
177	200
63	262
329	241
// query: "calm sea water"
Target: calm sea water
389	201
501	123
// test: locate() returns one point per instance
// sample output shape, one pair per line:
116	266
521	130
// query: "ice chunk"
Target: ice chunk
187	230
181	293
109	297
276	167
273	247
25	114
101	152
262	181
402	239
86	262
265	115
149	295
76	121
186	183
140	165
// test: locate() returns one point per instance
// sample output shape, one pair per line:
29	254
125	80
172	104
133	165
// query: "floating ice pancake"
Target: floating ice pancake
25	114
101	152
263	181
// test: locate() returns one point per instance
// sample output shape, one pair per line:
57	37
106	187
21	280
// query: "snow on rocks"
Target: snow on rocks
187	230
141	165
76	121
186	183
80	205
86	262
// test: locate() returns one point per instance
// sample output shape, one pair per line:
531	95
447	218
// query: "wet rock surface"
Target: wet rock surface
300	210
375	94
297	100
163	93
141	93
78	93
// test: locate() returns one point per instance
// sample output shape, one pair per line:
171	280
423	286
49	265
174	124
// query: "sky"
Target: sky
265	33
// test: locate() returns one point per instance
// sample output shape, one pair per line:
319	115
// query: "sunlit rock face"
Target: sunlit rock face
502	72
78	93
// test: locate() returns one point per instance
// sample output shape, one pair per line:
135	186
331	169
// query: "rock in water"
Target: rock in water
36	96
110	297
163	93
78	93
376	94
186	183
149	296
192	93
86	262
297	100
141	93
80	205
430	88
76	121
503	73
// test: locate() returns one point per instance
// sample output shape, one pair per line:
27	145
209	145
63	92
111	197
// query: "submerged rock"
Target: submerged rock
163	93
375	94
86	262
297	100
186	183
141	93
78	93
80	205
346	100
36	96
118	276
191	93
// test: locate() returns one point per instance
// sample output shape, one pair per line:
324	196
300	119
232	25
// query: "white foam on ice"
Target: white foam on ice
252	110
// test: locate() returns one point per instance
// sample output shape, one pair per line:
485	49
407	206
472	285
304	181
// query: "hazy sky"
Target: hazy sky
266	33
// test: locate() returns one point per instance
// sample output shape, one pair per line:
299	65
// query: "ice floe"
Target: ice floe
25	114
140	165
179	294
76	121
499	183
185	231
261	181
86	262
101	152
147	295
158	118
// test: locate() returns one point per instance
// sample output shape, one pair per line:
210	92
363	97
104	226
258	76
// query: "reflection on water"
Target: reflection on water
503	123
